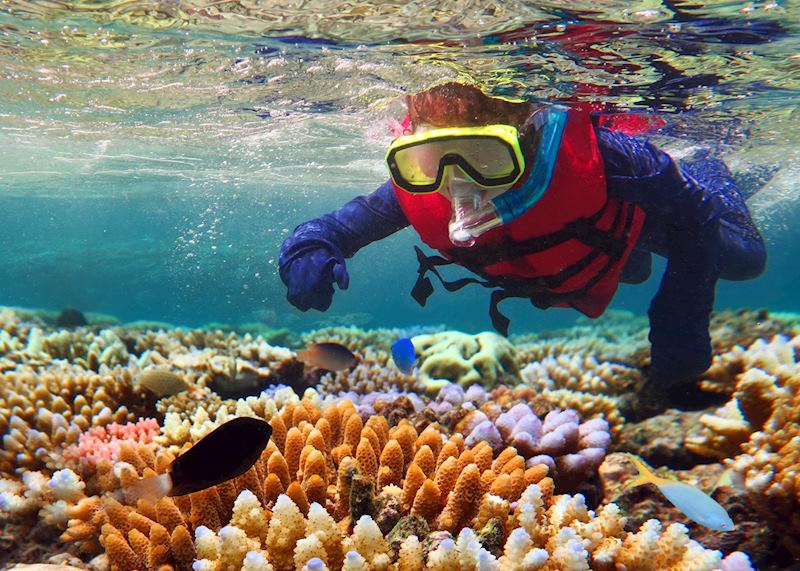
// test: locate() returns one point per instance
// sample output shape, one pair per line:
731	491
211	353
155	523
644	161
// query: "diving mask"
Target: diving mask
489	155
478	166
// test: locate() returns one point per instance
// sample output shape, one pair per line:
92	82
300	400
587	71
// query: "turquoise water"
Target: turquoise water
154	155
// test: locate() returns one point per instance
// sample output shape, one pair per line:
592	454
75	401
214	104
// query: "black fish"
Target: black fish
228	451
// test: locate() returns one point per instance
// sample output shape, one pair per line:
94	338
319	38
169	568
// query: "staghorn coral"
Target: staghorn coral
486	359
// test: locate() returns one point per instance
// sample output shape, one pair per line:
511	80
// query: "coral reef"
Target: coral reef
366	471
616	336
369	376
579	381
42	413
359	340
571	449
755	378
641	504
769	400
486	359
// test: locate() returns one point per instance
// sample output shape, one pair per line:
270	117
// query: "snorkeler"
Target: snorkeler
544	202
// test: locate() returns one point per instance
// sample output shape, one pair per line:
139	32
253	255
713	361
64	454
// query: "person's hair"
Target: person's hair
460	105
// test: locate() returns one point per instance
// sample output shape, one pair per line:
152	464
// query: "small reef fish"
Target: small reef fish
404	355
695	504
163	382
328	356
226	452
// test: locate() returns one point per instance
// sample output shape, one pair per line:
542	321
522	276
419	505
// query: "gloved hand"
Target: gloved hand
648	177
312	258
309	269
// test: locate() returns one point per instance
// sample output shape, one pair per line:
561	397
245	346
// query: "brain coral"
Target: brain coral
486	359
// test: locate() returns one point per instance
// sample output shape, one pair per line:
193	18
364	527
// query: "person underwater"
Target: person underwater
228	451
544	202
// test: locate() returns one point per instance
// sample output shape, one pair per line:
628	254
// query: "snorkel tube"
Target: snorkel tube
472	217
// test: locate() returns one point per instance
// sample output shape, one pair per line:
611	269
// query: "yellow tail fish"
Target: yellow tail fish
695	504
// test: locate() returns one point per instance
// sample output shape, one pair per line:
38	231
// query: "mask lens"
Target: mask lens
489	160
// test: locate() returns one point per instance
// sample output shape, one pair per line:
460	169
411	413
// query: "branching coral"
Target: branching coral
42	413
350	467
755	378
617	336
582	383
369	376
37	495
543	532
771	456
103	443
392	482
361	340
744	326
774	356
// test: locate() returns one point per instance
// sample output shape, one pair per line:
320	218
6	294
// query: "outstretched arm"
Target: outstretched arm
313	257
684	225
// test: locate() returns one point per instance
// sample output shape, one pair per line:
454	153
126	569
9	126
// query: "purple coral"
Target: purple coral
561	441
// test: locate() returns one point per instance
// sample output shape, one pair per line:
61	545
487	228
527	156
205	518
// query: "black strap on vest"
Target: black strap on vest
537	289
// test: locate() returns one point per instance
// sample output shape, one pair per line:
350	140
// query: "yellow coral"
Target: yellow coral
450	356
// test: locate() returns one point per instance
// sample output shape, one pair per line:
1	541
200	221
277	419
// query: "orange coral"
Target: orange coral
331	459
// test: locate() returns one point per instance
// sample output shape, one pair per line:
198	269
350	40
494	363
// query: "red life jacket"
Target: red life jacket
567	250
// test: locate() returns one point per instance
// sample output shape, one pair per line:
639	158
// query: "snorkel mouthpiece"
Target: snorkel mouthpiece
471	216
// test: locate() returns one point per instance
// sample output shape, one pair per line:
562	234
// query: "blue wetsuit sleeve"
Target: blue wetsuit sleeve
361	221
313	257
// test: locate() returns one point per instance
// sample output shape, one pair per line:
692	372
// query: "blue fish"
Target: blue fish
404	355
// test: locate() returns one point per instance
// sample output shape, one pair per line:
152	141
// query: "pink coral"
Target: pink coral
103	442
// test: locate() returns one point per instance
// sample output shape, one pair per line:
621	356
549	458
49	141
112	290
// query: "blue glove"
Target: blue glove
313	258
309	269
